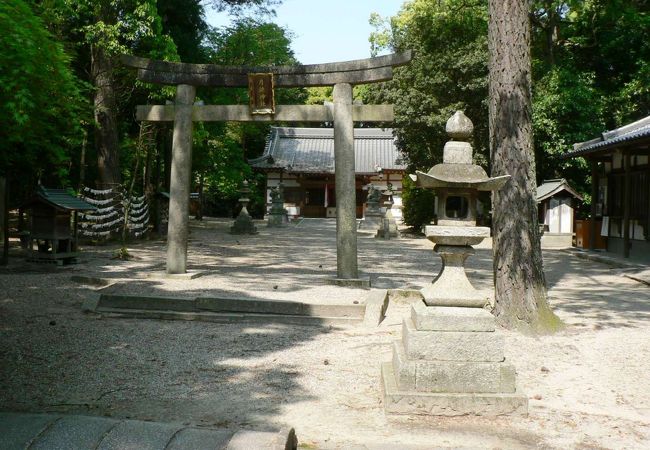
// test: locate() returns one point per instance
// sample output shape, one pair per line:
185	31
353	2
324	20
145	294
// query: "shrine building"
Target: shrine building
303	160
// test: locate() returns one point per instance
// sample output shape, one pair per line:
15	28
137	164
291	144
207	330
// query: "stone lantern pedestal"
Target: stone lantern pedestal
450	360
388	227
372	216
278	216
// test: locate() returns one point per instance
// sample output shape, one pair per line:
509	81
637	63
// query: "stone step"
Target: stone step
398	401
451	376
451	345
278	307
451	318
206	316
228	310
53	431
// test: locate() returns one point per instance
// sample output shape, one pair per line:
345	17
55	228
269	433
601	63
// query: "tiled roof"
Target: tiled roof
551	187
626	134
61	199
311	150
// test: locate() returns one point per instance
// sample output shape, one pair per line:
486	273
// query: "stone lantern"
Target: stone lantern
388	224
457	183
450	360
278	216
244	223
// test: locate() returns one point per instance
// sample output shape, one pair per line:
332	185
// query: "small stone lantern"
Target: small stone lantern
278	216
244	223
456	182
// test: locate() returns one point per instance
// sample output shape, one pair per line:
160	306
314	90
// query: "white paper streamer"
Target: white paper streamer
93	201
98	192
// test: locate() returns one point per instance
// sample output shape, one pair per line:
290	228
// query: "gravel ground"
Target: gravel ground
588	385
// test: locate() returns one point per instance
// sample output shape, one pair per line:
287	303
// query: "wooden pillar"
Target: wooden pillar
594	204
179	189
627	192
344	172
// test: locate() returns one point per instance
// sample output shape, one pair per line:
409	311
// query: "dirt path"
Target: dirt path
588	385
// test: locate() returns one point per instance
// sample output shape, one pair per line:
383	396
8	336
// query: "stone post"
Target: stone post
346	217
179	186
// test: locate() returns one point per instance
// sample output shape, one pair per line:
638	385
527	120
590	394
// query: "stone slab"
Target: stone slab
78	432
451	345
455	235
197	438
189	275
144	302
448	404
278	307
451	318
248	440
376	305
206	316
451	376
249	306
132	434
17	431
363	283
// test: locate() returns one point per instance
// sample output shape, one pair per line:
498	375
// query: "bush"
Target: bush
417	205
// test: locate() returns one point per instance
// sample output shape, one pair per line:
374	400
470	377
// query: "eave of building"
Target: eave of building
550	188
633	138
58	199
311	150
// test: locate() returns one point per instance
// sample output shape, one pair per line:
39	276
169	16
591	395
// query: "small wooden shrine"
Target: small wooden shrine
53	225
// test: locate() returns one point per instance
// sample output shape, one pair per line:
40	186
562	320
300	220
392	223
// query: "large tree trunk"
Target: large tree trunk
518	276
106	135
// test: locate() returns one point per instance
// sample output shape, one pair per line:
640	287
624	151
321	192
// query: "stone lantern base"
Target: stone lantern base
450	362
243	223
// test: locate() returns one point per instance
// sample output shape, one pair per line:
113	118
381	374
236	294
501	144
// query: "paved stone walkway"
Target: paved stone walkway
60	432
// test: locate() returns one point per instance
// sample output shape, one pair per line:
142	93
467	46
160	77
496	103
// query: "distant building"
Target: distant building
556	204
620	188
303	160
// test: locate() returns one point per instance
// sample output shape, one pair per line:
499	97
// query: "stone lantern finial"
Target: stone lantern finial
459	126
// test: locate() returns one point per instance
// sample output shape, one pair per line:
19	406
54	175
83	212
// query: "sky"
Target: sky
326	30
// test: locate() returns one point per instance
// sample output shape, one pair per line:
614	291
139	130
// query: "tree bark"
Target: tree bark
521	300
106	135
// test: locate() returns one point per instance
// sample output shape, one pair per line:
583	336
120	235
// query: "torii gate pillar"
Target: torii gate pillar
344	178
179	184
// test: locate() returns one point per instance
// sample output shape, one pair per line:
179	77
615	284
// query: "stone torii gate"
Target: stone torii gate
261	82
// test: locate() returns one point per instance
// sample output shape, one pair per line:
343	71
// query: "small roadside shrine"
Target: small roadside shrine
53	225
556	203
